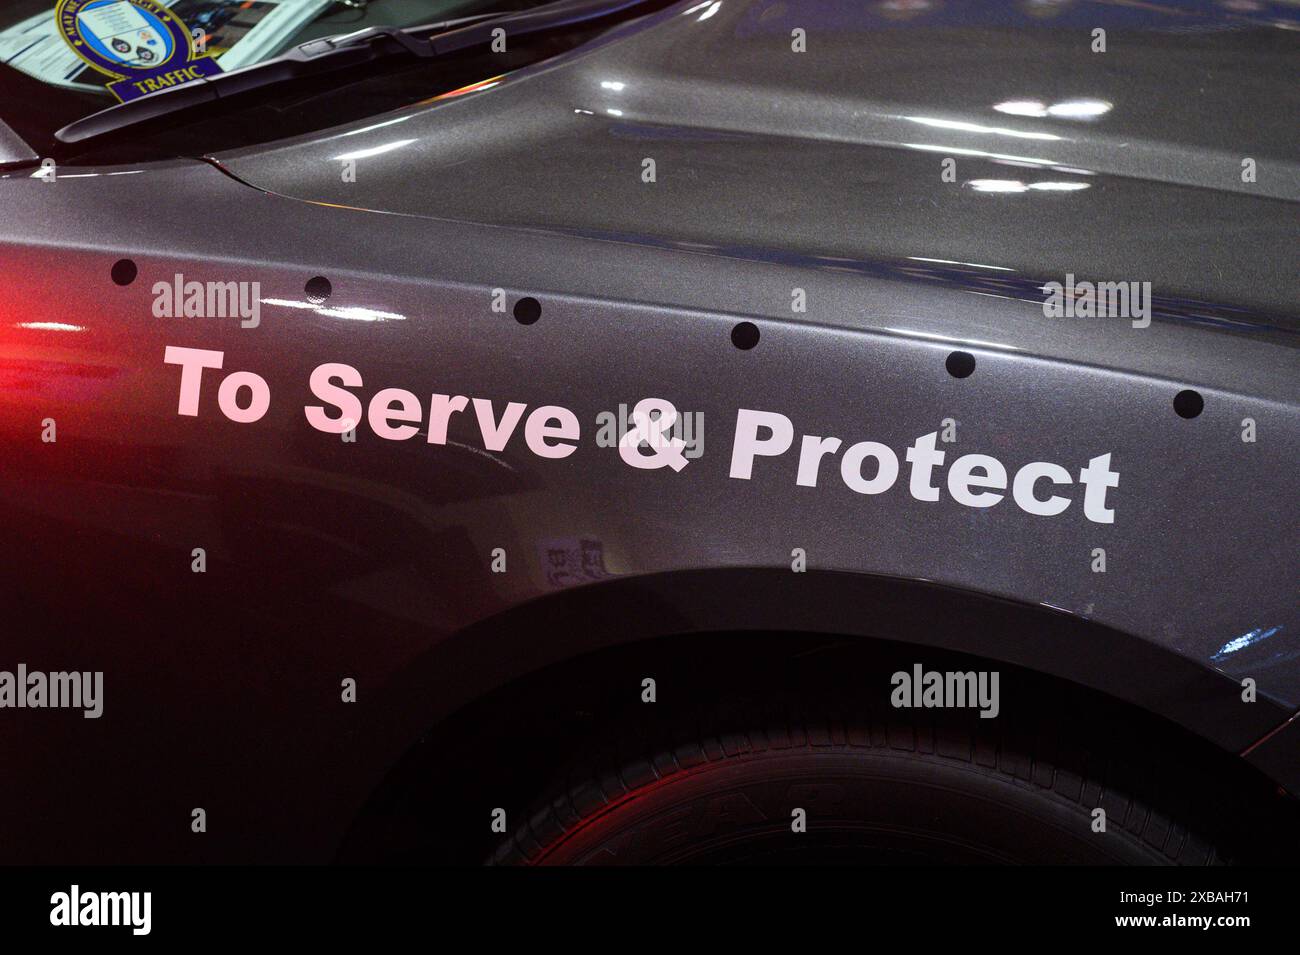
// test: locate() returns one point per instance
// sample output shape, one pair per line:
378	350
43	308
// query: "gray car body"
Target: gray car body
774	171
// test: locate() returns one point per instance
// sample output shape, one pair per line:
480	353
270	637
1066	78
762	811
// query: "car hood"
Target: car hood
1009	144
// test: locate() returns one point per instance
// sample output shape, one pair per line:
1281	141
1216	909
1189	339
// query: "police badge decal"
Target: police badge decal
141	44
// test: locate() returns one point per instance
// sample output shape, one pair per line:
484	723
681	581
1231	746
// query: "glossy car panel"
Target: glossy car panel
372	560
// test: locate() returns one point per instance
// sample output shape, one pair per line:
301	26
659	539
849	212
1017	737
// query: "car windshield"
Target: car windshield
67	59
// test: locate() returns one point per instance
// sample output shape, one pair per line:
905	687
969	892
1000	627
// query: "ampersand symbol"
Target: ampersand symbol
652	431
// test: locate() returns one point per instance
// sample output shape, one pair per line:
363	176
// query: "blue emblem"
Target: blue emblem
141	44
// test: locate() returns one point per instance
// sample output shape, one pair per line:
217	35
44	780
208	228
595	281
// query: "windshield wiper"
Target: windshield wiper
339	52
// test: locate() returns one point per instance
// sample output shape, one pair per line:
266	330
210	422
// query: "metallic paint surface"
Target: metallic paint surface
328	558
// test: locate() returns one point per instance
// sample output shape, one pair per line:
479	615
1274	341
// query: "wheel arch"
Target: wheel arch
480	689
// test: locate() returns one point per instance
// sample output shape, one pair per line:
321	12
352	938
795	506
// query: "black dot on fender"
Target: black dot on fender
527	310
124	272
318	290
1188	403
960	364
745	336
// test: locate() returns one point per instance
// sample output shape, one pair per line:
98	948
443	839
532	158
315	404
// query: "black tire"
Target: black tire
875	791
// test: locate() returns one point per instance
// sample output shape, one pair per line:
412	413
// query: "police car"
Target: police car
649	432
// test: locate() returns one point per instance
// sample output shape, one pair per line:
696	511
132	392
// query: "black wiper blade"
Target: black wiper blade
339	52
306	59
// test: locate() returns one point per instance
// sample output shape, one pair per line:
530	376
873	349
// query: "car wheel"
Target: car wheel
832	790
